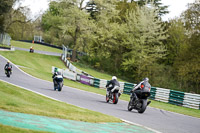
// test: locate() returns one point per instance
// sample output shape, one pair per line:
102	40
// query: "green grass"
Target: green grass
35	46
40	66
10	129
15	99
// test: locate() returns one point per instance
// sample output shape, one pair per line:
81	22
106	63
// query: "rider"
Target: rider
57	76
31	49
8	65
142	86
112	82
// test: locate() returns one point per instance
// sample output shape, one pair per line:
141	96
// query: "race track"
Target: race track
160	120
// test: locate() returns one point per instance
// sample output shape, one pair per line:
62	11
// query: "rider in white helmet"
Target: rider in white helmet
112	82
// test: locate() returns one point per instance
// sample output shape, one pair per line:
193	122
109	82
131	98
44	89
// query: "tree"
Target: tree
146	33
157	3
176	41
67	20
5	7
187	62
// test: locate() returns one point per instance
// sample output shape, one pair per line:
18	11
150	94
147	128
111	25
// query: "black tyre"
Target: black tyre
8	74
60	86
143	106
115	98
107	98
129	106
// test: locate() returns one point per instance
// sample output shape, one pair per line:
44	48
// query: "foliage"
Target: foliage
145	46
162	10
5	7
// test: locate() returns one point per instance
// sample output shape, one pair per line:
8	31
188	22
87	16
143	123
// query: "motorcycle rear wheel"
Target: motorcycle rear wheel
143	106
115	98
60	86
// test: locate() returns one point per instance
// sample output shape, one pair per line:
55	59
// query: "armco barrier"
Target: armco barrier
69	75
153	93
103	83
96	82
85	80
45	44
92	81
191	101
128	87
162	95
176	97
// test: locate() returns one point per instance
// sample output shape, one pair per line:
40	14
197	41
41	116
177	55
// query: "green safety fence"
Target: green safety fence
176	97
96	82
127	88
153	92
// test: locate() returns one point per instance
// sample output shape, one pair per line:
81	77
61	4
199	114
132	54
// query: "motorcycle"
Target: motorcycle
8	72
58	84
113	95
31	50
140	103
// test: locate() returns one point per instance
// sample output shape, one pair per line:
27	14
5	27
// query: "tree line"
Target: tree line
129	39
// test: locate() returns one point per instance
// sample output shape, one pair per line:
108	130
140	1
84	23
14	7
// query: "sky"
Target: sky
176	7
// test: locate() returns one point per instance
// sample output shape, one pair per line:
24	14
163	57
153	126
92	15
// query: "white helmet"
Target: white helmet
114	77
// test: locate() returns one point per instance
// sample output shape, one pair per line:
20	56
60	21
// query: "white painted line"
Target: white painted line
141	126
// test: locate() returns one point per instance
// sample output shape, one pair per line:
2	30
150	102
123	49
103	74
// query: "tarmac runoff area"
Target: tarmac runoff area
43	123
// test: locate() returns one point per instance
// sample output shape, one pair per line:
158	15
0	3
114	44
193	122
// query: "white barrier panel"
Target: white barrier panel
52	70
102	83
191	100
91	81
162	94
63	57
121	85
68	63
72	67
69	75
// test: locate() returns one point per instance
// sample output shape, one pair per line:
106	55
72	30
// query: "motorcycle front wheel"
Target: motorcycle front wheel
129	106
107	98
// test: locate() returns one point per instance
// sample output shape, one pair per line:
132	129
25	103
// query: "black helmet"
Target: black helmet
146	79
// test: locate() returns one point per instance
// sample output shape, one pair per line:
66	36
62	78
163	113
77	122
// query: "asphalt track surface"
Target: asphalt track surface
156	119
40	52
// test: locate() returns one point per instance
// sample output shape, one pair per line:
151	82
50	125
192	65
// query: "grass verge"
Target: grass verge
15	99
40	66
35	46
